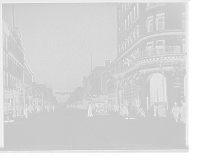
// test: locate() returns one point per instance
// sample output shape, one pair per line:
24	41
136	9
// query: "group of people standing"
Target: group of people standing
29	108
178	112
159	109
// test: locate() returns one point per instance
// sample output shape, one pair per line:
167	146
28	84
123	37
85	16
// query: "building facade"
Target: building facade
27	79
150	63
37	96
111	91
92	83
16	74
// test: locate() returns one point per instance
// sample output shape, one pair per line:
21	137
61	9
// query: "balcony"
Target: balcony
159	51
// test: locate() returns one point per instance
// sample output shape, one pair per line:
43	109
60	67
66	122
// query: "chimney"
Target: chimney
107	63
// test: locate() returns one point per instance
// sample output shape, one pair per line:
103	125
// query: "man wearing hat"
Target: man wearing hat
176	111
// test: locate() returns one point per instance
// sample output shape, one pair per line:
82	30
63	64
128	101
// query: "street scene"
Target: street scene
95	76
71	130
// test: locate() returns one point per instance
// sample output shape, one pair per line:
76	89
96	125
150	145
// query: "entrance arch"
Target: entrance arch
158	88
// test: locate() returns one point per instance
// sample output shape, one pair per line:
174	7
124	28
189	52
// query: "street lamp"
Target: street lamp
120	89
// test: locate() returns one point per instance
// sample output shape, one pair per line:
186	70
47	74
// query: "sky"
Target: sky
58	40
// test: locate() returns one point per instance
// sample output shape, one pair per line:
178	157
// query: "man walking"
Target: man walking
176	111
26	111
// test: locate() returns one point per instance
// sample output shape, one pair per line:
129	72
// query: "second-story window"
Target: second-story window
134	36
160	21
149	24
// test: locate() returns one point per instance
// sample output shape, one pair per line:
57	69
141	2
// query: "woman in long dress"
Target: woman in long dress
90	109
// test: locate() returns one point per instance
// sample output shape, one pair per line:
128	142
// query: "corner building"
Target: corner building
151	53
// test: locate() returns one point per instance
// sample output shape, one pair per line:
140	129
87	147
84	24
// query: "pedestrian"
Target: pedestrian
38	108
116	107
183	113
125	110
26	111
130	111
155	107
89	114
53	108
176	111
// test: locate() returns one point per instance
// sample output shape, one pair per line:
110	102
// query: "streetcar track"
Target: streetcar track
71	136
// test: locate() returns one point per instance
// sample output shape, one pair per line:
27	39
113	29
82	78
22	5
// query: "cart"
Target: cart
100	108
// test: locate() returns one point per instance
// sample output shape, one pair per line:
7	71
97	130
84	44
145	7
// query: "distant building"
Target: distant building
111	90
92	82
37	96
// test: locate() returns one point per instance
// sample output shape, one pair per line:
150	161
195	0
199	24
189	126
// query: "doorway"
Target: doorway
158	88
